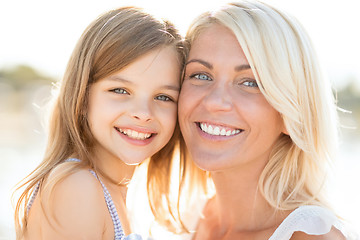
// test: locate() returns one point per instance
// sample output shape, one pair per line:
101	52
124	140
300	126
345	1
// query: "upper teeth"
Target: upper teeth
135	135
218	130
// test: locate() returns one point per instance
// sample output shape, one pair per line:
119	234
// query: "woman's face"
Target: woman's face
132	113
224	118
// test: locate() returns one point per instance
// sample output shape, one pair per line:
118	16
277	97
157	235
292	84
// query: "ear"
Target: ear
285	132
283	127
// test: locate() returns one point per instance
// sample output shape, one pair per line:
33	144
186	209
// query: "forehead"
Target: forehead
158	66
217	43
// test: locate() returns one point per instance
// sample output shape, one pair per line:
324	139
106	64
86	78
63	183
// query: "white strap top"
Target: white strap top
312	220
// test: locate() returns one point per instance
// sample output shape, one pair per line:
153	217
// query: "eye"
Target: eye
164	98
201	76
250	83
119	91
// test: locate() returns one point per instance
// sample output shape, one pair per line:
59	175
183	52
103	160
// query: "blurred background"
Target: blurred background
37	38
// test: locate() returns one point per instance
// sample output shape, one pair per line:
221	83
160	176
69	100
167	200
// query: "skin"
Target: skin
141	97
219	90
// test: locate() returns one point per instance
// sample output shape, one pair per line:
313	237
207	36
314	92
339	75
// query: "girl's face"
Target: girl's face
224	118
132	113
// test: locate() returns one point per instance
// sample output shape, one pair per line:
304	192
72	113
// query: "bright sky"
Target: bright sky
43	33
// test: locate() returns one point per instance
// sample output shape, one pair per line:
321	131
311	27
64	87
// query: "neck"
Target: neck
114	173
238	204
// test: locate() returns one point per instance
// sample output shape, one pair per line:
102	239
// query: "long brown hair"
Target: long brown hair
111	42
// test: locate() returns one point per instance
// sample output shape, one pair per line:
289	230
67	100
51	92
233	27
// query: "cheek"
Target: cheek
254	107
103	112
270	123
271	117
102	109
181	110
259	114
187	99
167	118
94	112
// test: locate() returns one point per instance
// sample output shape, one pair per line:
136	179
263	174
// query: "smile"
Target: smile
217	130
134	134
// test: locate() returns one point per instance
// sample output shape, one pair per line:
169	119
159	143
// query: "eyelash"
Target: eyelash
119	91
196	76
248	83
161	97
167	98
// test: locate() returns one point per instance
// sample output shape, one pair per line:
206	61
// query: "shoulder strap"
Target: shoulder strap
312	220
37	187
32	199
72	160
119	233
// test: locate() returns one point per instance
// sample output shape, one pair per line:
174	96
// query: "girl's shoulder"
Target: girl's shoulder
71	182
309	222
68	181
67	186
73	203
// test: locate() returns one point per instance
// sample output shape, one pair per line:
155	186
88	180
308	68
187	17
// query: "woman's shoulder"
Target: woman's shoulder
333	234
309	222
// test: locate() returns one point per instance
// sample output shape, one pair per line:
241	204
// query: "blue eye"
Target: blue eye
119	91
201	76
164	98
250	83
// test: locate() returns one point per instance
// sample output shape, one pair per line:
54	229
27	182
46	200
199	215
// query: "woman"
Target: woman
258	117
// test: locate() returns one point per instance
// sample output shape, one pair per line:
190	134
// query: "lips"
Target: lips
137	135
218	130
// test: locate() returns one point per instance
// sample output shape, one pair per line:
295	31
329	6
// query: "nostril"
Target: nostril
144	117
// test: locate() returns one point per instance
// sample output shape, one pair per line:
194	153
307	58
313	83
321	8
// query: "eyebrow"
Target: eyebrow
170	87
210	66
119	79
242	67
206	64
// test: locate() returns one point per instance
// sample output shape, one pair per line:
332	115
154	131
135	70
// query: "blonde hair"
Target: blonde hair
286	68
111	42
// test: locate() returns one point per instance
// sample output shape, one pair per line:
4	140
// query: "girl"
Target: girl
116	107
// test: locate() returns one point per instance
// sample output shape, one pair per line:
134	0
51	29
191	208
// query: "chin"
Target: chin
133	160
133	163
208	163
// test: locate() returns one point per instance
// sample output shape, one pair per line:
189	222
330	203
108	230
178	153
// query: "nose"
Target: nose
218	99
141	111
